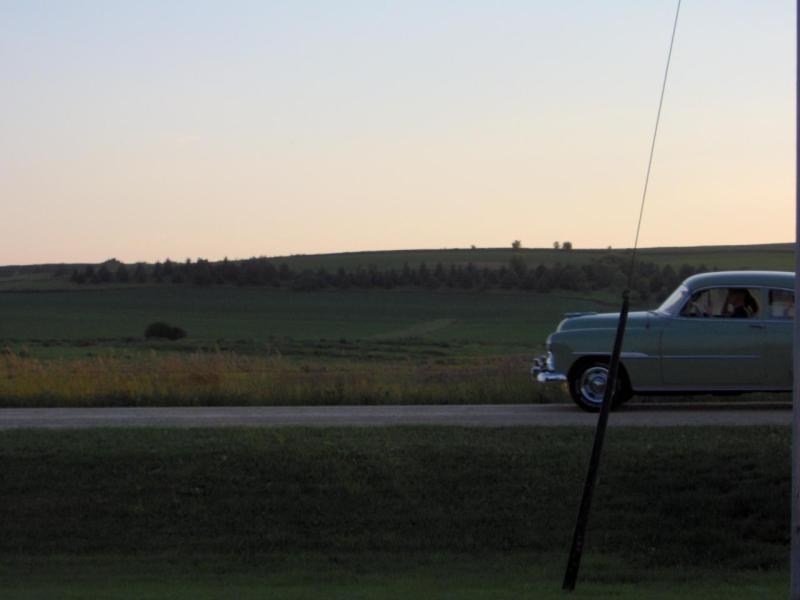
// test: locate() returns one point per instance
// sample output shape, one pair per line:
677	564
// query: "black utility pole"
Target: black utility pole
597	448
611	385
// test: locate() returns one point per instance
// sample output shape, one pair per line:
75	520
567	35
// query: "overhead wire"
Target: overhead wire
653	146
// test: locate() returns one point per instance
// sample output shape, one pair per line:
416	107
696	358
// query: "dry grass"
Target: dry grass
225	378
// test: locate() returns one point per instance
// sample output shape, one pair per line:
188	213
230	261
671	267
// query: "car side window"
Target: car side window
722	303
781	304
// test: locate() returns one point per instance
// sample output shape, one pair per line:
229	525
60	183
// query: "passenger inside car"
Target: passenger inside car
781	304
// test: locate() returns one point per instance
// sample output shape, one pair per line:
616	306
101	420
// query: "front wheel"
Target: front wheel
587	385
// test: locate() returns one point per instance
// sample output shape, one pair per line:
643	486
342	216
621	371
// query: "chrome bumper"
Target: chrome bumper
542	373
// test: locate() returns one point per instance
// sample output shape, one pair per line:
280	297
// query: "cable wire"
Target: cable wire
653	145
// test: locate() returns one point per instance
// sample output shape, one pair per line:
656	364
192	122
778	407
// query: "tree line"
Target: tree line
608	272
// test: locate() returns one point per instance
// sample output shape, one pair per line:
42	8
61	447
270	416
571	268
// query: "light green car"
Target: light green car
718	333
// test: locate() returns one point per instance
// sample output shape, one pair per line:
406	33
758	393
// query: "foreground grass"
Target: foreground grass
668	498
367	576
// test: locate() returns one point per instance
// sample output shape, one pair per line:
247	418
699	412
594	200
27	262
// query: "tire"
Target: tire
587	384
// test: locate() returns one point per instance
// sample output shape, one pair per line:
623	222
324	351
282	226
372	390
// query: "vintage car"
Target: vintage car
718	333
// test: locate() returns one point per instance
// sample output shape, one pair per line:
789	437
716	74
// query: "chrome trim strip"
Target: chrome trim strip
718	388
711	356
622	355
551	378
542	374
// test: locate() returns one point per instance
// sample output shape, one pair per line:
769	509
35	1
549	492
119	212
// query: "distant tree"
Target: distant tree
566	246
229	271
518	266
472	247
406	276
669	279
307	281
439	274
139	273
77	277
104	274
122	275
201	273
556	245
516	244
284	272
424	275
509	279
569	277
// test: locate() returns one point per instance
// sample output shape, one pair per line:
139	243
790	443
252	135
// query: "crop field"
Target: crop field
256	346
479	323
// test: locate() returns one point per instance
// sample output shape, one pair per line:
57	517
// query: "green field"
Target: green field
391	512
256	346
476	322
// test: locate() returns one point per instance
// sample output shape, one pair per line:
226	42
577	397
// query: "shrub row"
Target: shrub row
607	272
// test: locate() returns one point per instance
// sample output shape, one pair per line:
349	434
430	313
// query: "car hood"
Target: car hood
604	321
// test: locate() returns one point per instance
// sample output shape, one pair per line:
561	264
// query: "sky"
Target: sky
153	129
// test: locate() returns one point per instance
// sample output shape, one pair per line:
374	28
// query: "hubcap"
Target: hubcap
593	384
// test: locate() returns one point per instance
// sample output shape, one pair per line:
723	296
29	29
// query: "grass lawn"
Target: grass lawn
406	512
711	497
367	576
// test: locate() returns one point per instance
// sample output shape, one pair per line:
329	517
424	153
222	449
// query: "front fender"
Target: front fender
640	351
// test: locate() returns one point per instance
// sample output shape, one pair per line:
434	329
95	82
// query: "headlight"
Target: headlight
550	361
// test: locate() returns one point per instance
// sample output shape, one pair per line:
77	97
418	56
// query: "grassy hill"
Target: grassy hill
779	257
761	256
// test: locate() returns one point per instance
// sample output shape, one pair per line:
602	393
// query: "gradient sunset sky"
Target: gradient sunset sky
145	130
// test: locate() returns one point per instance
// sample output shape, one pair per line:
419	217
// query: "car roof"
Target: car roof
781	279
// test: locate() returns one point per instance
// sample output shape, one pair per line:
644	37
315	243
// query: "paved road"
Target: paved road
632	415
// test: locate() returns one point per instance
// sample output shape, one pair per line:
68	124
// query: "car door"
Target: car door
705	347
778	327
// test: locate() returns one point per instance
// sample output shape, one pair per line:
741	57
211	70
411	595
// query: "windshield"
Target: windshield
675	299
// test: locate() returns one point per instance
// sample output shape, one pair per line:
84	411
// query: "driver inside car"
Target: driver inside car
740	304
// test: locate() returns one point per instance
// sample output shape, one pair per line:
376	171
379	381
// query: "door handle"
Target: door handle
757	325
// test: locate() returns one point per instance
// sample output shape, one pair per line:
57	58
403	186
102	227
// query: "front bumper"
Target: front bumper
543	372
